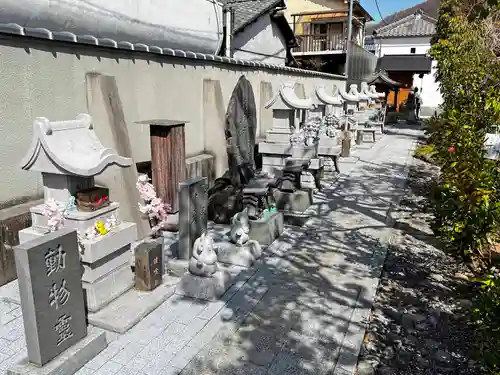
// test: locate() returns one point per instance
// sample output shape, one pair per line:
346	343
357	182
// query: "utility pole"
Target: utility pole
349	37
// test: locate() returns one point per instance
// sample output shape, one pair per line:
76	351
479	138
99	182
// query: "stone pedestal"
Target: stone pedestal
359	138
276	155
245	255
105	259
206	288
168	159
69	361
369	133
267	229
296	202
330	149
311	177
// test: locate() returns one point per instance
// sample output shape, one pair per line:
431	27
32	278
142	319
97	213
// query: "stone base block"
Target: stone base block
299	201
130	308
204	288
368	134
79	220
177	267
347	147
103	246
307	181
267	229
274	137
330	164
69	361
244	255
10	292
29	234
106	289
296	219
94	271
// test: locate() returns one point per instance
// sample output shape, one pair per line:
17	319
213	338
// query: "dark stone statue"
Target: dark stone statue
228	195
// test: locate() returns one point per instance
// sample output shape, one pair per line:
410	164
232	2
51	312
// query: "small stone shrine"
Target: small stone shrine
69	155
381	96
351	99
364	99
52	303
334	102
330	141
204	279
376	113
288	112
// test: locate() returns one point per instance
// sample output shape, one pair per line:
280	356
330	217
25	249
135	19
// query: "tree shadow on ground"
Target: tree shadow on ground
419	321
310	294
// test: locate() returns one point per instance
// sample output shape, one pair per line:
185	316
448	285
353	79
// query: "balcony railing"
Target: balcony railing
317	43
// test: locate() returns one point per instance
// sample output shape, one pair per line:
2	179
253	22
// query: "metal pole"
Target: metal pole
349	37
228	21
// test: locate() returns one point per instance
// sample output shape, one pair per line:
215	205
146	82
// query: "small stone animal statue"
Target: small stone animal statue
240	228
204	259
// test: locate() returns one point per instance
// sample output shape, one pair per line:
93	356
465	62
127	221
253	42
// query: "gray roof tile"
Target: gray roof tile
247	11
416	24
428	7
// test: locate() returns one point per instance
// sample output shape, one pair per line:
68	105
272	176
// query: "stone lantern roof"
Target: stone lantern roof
287	99
69	148
325	97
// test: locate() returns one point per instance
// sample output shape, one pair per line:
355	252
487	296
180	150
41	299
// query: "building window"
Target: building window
413	50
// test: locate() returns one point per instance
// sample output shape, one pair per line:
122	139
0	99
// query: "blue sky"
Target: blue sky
387	6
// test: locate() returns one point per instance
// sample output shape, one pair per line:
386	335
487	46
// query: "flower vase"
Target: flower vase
310	141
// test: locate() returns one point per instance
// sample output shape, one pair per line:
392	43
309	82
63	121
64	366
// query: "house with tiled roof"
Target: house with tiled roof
402	42
259	31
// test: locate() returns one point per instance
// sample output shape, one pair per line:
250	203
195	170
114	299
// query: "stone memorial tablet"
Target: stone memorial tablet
49	274
193	200
148	266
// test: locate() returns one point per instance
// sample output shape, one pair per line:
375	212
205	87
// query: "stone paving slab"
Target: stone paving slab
300	310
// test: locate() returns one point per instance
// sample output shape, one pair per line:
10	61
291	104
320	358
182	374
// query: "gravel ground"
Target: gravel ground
418	323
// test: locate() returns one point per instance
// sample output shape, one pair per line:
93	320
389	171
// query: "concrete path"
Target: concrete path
301	311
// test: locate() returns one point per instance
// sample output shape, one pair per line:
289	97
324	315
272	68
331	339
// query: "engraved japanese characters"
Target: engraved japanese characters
51	292
193	199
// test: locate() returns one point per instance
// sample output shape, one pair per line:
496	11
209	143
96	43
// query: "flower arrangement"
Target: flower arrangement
308	134
154	207
297	139
54	213
100	228
331	125
311	130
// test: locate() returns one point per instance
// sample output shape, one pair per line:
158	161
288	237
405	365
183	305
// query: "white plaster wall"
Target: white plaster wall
431	95
44	78
260	41
402	46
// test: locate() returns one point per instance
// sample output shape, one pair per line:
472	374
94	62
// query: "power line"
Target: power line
380	13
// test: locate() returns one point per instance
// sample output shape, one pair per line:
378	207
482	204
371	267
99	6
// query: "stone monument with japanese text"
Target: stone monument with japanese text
69	155
52	303
193	201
